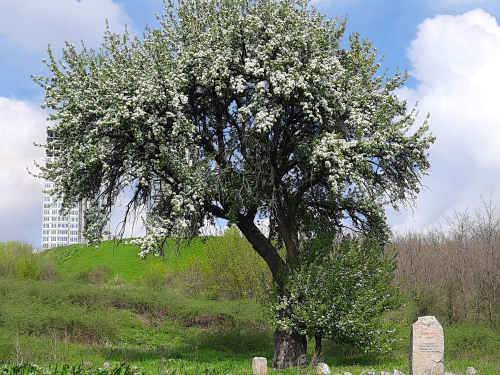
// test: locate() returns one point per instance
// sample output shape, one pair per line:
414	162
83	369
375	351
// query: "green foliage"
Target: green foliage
18	260
217	267
28	269
93	275
77	323
231	268
73	323
155	275
11	253
80	369
341	291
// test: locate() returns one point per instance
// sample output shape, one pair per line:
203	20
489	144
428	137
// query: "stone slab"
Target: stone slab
427	347
259	365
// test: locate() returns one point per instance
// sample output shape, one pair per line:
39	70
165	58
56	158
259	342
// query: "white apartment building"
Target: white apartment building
59	230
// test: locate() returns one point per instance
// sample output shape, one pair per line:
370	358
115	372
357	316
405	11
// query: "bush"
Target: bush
92	275
49	272
28	269
11	252
232	269
340	289
155	275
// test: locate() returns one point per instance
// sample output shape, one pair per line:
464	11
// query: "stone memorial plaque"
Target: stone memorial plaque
426	347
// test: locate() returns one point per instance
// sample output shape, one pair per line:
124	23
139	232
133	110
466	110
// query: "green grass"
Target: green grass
122	259
66	322
144	330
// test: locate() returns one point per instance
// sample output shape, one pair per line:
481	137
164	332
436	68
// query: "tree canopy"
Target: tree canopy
238	110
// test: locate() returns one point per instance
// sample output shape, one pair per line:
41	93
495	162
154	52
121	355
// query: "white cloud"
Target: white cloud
33	24
459	2
21	124
456	60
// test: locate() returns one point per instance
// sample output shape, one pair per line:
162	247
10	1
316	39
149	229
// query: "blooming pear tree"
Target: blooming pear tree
238	110
340	290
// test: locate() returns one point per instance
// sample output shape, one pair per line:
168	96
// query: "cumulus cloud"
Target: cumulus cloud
459	2
456	60
33	24
21	124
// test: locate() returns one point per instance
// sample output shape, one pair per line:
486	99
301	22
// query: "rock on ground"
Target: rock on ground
323	369
259	365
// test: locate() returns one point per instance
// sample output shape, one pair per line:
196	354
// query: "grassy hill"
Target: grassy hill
174	330
122	259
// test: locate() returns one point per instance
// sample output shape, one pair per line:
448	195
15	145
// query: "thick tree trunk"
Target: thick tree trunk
317	350
289	349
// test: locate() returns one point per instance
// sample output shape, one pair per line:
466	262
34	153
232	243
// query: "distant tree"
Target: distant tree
236	110
341	289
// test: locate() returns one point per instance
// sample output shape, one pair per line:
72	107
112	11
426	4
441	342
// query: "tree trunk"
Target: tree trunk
317	350
289	349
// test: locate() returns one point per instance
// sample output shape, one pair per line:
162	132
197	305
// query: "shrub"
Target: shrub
48	272
232	269
155	275
340	289
11	252
28	269
100	275
92	275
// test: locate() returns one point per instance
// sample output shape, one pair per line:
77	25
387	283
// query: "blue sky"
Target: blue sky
450	47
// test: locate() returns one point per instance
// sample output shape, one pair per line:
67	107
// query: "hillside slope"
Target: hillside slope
122	260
